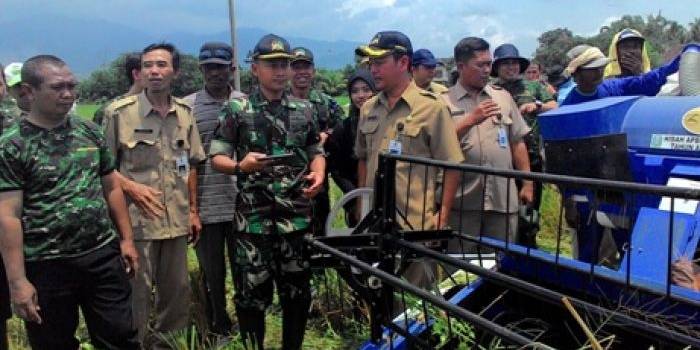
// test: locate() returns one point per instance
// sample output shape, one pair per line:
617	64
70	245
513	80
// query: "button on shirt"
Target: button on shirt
216	192
154	151
480	146
426	131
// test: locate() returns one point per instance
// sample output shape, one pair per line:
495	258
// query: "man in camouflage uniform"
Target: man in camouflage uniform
328	113
532	98
5	311
132	72
58	190
15	104
274	200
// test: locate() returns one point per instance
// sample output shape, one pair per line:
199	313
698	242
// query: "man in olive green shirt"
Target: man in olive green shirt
58	191
157	144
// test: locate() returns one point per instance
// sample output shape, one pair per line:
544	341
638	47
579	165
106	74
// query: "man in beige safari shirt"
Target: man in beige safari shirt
155	139
491	132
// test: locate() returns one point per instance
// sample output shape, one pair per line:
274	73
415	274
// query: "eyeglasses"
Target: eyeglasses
215	53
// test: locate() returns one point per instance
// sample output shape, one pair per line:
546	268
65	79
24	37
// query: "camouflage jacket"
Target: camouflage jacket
9	109
270	201
328	112
64	212
524	91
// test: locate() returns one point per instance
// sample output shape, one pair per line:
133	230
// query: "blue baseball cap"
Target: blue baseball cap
424	57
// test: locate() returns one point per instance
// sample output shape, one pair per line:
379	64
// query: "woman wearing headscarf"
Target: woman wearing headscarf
341	161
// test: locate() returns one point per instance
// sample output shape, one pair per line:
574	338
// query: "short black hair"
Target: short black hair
167	47
32	67
467	48
132	61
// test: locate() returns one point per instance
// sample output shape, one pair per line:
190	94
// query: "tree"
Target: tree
110	81
663	36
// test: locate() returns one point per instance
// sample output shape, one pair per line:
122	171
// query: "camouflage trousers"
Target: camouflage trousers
264	261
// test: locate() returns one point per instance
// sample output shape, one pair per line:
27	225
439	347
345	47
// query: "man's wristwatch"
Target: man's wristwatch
538	103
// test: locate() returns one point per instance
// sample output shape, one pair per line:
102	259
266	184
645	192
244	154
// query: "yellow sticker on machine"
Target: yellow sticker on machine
691	121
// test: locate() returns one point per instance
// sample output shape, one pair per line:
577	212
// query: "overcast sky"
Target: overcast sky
434	24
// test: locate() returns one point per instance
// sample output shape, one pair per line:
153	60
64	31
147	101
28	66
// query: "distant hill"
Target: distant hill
86	44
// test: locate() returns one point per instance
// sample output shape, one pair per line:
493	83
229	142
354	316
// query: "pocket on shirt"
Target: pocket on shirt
368	130
142	152
414	144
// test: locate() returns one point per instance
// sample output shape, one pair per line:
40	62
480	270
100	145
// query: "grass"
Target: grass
322	333
86	110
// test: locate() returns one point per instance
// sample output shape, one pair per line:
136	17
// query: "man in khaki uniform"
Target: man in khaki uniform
491	131
404	119
158	148
424	64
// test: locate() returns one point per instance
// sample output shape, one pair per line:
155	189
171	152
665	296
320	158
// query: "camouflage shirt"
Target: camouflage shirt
9	108
64	212
525	91
328	112
270	201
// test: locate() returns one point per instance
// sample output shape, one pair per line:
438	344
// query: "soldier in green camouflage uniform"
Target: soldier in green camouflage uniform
328	113
273	206
59	174
532	98
8	105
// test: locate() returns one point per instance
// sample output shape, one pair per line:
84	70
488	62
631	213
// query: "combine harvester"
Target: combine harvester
628	170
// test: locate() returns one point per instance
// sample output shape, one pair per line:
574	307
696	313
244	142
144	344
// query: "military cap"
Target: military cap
384	43
302	54
271	46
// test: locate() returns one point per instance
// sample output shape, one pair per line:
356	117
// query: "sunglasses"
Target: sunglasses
215	53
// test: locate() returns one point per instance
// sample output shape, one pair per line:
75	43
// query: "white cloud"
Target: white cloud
351	8
606	22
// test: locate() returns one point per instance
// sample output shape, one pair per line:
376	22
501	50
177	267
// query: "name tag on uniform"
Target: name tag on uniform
502	137
395	147
182	163
143	131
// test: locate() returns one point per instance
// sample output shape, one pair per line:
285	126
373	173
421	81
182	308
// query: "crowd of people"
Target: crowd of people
98	216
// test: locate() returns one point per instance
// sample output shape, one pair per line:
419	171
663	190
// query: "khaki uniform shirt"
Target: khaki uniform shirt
422	124
148	148
437	88
480	146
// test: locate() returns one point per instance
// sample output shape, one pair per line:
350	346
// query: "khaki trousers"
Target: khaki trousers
161	284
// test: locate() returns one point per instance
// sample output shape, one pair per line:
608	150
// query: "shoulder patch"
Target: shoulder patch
123	102
426	93
182	103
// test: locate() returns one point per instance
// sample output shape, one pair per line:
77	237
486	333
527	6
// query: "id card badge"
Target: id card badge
182	163
502	137
395	147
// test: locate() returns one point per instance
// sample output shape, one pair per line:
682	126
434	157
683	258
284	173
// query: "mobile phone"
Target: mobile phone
276	157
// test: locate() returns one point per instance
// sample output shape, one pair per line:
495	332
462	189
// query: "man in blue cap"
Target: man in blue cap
424	64
532	98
